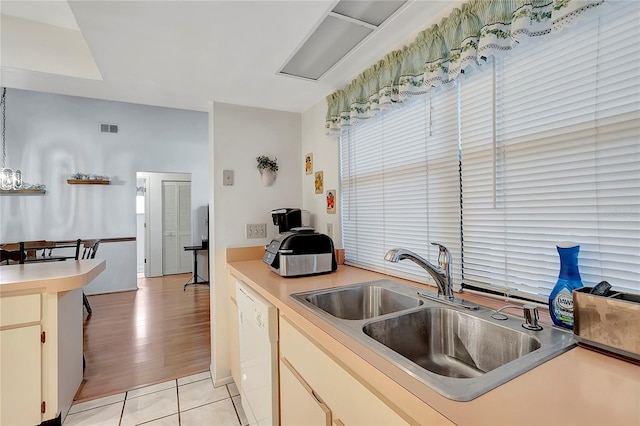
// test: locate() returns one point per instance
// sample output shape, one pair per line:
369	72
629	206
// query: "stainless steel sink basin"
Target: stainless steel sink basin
459	353
451	343
360	301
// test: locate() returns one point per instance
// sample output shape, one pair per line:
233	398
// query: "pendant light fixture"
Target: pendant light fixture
7	176
11	180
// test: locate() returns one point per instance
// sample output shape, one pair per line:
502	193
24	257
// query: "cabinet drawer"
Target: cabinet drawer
15	310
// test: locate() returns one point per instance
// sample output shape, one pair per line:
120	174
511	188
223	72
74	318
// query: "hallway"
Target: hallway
152	335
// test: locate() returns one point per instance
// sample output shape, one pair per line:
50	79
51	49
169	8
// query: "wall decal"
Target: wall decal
331	201
319	183
308	163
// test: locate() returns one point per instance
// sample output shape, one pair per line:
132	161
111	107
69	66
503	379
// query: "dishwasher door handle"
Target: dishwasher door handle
259	319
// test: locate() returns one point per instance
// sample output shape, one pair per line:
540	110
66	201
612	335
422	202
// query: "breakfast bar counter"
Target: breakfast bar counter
50	277
41	338
577	387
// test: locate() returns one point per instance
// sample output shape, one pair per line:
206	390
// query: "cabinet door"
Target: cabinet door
299	406
351	402
20	381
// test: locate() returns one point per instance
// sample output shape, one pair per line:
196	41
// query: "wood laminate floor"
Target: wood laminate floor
143	337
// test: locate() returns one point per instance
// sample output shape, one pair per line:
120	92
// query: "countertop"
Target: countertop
578	387
49	277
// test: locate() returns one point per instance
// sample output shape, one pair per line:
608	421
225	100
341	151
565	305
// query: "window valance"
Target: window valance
439	54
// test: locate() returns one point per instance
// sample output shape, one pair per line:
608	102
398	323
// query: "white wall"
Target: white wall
240	134
50	137
326	159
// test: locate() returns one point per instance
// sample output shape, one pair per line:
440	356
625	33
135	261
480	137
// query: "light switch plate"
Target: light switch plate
227	177
255	230
330	230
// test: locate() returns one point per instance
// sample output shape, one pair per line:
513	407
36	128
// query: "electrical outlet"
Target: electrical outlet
330	230
256	230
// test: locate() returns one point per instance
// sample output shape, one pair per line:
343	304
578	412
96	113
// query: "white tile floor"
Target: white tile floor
188	401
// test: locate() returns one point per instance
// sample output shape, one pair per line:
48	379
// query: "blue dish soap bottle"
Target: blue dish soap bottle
561	297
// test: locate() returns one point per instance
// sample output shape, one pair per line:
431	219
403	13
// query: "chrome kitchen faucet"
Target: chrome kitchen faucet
441	274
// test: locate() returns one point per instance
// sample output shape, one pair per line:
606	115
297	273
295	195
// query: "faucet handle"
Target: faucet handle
442	248
444	256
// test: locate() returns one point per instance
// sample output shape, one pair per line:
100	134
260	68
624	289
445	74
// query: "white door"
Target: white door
176	227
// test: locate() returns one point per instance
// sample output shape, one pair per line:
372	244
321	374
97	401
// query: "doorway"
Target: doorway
166	227
141	187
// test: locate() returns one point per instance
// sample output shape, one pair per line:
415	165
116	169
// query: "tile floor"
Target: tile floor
188	401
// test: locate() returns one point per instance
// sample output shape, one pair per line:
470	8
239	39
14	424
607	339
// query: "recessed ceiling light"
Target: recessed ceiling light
341	30
372	12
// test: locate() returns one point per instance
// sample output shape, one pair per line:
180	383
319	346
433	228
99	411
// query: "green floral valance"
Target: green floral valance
461	41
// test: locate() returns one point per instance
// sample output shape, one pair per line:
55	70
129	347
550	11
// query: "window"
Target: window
548	141
400	186
139	204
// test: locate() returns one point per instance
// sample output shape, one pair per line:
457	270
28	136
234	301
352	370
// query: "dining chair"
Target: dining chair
28	250
89	252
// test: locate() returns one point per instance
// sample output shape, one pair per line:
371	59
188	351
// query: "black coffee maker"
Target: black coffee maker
286	218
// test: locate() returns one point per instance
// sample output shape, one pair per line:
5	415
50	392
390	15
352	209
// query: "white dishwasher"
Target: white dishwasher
258	327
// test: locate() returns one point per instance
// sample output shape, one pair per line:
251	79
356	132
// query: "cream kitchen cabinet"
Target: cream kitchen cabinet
41	339
40	355
303	407
20	360
349	399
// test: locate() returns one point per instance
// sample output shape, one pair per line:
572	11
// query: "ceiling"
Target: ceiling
185	54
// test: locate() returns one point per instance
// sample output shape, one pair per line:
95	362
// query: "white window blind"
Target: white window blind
551	152
548	145
400	186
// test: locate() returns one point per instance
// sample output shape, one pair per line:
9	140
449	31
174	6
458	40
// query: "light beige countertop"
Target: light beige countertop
49	277
579	387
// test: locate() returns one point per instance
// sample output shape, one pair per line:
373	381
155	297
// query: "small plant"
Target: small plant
265	162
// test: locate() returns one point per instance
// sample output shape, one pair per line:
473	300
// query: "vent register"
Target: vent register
108	128
341	30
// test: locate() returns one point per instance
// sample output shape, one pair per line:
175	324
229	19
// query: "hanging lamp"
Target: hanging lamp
8	177
10	180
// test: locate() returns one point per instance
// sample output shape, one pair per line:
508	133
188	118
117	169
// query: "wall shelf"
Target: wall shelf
88	182
23	191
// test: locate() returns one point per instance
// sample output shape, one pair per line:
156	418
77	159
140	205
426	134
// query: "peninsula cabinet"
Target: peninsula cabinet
316	390
41	339
40	355
20	360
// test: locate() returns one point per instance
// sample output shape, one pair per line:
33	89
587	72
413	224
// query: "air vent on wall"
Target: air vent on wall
341	30
108	128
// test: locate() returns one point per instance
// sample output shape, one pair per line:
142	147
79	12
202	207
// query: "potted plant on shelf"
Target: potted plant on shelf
267	168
